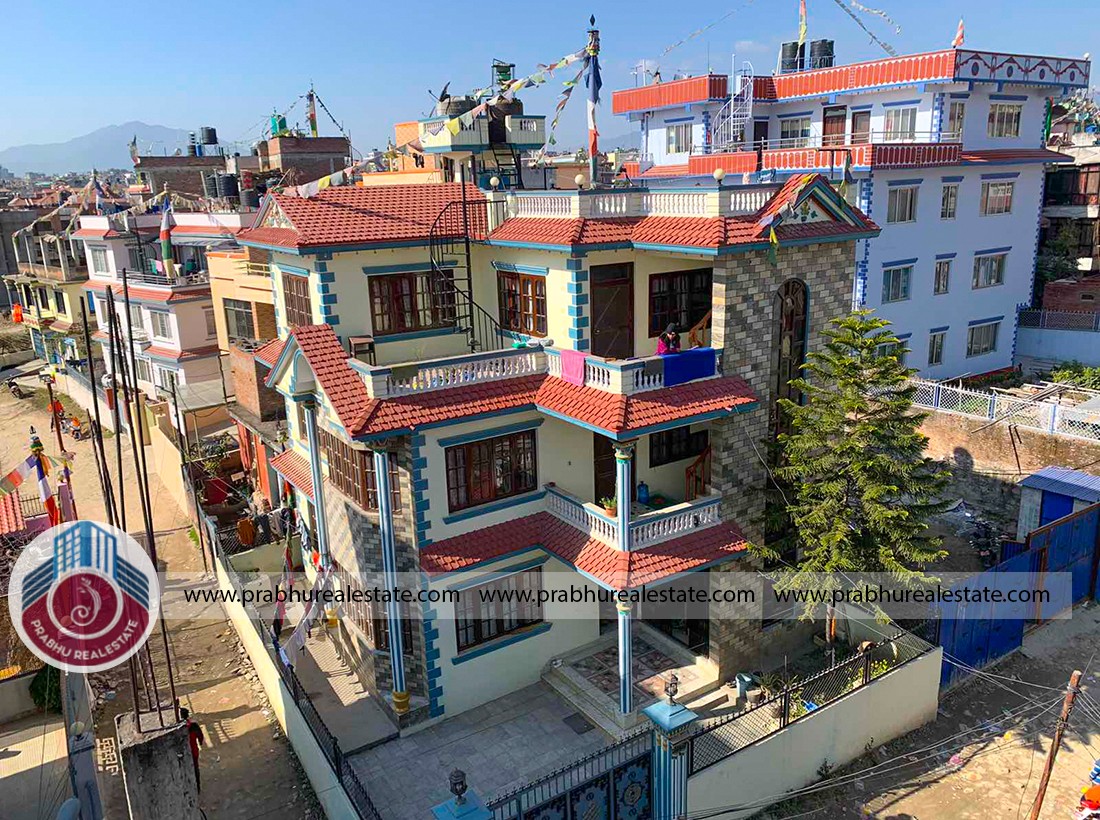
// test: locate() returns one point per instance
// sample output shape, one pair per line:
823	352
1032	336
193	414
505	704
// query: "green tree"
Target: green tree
859	488
1058	258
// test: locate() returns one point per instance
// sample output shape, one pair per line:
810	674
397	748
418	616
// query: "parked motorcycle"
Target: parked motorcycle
74	428
16	390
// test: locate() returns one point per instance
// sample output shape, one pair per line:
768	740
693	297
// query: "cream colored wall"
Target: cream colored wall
668	479
495	674
645	265
227	282
487	294
565	457
887	708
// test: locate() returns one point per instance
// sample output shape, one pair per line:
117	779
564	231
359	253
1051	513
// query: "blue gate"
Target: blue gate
967	631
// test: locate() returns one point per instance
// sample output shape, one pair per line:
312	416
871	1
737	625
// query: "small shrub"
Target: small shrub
46	689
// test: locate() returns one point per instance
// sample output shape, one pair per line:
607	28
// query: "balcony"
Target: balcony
622	377
709	87
436	138
730	200
54	272
524	131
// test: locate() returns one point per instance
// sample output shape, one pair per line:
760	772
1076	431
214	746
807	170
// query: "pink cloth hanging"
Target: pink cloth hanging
572	366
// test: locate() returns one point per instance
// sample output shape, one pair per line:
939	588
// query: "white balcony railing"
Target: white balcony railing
621	376
645	530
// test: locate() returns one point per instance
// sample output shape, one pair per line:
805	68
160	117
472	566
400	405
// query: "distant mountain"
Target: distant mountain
103	148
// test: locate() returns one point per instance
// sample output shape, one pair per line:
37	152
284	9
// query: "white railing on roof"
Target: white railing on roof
674	203
1046	416
587	518
746	199
604	205
544	205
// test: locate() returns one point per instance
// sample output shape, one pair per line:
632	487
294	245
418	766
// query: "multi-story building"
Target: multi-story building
944	149
1072	202
174	327
472	400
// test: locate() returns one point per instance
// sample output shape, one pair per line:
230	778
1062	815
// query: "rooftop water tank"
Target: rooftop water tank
821	54
208	135
789	57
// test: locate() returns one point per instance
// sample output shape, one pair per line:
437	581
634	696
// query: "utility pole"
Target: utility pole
1060	728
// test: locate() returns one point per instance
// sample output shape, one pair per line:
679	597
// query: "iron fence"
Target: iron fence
329	744
31	505
1060	320
719	739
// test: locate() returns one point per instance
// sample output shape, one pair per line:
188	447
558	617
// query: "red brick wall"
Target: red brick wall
1063	295
252	394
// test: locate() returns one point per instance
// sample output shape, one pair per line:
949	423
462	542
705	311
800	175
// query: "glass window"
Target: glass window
522	302
942	280
682	298
679	138
989	270
162	328
896	349
982	339
99	259
299	309
794	132
902	205
144	373
59	301
949	201
211	325
238	319
352	471
676	445
895	283
935	347
499	607
956	114
997	198
136	321
901	124
486	470
1004	119
402	302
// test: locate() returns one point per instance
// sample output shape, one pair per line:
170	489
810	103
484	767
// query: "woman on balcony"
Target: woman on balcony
669	341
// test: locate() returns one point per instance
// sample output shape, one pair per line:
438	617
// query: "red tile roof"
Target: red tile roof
615	568
182	355
294	469
269	353
328	360
143	294
349	215
11	515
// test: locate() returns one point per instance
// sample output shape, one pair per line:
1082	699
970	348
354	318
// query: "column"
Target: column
389	579
669	765
626	685
321	524
624	454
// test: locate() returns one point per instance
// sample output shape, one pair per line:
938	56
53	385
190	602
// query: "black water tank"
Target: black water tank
821	54
192	149
789	58
209	186
208	135
250	198
226	185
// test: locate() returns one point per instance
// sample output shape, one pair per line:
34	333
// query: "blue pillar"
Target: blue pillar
624	452
626	685
321	524
669	765
389	578
468	807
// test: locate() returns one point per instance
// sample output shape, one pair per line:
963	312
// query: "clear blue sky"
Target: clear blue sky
67	68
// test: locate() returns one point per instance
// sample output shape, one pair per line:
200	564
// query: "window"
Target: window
956	114
493	468
352	472
369	617
522	302
211	325
901	124
238	319
43	299
401	302
99	260
794	132
982	339
682	298
935	347
679	138
59	301
144	373
896	349
895	283
162	328
902	205
499	607
949	201
163	377
1004	120
997	198
989	270
299	310
942	280
676	445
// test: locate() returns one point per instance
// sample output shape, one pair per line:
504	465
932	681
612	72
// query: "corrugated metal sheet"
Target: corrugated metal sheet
1066	482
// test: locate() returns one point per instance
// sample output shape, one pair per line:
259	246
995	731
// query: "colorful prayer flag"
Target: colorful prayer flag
594	83
801	23
773	246
960	35
166	237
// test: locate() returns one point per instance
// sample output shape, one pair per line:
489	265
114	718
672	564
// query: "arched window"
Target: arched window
789	346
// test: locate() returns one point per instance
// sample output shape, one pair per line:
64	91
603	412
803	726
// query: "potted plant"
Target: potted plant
610	505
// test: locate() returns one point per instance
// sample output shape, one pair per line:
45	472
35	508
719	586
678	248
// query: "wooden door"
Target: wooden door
836	120
861	127
603	463
613	310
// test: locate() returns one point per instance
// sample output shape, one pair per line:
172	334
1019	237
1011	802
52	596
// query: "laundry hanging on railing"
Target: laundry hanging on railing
297	640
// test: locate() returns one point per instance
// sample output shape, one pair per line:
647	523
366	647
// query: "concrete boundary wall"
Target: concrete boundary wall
890	706
330	792
15	697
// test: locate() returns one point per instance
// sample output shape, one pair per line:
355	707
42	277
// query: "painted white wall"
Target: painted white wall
896	703
511	667
1038	348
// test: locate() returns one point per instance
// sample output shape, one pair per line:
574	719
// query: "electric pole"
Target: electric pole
1059	729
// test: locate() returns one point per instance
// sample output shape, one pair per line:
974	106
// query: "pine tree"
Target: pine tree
859	488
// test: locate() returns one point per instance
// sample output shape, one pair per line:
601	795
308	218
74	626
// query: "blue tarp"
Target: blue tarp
688	365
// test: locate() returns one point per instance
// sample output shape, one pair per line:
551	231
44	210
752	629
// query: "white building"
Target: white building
946	154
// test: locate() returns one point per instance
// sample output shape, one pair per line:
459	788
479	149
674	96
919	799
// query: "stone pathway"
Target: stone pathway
34	778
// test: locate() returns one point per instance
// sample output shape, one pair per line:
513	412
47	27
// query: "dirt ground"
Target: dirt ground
248	768
982	758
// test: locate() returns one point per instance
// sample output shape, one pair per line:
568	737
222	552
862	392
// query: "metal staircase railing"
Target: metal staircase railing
459	223
732	121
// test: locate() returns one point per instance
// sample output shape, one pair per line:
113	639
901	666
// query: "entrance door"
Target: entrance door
836	119
613	310
603	459
759	133
861	127
685	620
1053	507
